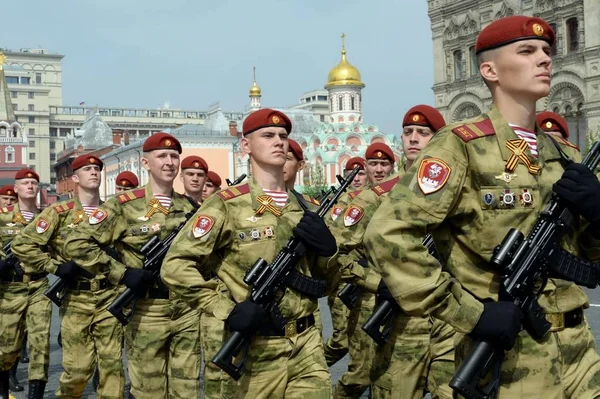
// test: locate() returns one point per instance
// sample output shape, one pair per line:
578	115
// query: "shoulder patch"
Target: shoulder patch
336	211
97	216
311	199
353	215
353	194
235	191
433	175
41	225
131	195
475	130
566	142
202	225
386	186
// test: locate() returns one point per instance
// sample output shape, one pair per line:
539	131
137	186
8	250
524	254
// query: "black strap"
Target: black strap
580	271
305	284
301	200
565	159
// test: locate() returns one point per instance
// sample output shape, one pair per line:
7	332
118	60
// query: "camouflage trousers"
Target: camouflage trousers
23	306
418	357
336	346
212	330
283	367
163	350
90	336
563	364
361	349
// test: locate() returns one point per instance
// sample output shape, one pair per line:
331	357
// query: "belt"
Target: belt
560	321
25	278
157	293
291	329
92	285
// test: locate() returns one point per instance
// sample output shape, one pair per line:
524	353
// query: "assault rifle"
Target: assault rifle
523	262
379	325
266	280
154	252
236	181
10	260
349	295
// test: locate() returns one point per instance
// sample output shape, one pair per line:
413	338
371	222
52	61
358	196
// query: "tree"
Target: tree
314	180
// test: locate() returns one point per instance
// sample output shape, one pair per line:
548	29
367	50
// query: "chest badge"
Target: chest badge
269	232
488	199
254	235
253	219
507	199
506	177
526	197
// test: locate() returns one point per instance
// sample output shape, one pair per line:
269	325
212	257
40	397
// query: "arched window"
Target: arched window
572	35
553	50
340	103
352	105
473	61
9	154
458	67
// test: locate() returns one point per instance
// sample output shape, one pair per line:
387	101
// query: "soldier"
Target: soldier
553	124
294	163
473	182
211	185
22	300
361	178
90	334
8	196
125	181
234	228
161	340
193	176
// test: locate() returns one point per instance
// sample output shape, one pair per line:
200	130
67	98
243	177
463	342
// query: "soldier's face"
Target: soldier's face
267	146
208	189
291	168
88	177
162	165
5	200
193	180
120	189
414	139
26	188
360	179
378	169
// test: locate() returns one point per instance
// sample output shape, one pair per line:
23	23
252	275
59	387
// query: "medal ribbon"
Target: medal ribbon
518	148
79	217
156	206
266	204
18	218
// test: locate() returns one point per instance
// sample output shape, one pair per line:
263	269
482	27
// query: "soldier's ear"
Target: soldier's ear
245	145
145	164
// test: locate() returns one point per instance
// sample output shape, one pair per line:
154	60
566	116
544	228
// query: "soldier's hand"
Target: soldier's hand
580	189
246	318
136	279
313	231
67	270
499	324
3	265
384	294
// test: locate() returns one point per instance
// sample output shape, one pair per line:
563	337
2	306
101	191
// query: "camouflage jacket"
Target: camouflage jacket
462	189
125	222
229	233
11	224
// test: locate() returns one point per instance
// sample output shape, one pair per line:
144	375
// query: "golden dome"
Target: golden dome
255	90
344	73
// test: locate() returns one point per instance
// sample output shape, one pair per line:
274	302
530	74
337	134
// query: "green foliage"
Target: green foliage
590	139
314	181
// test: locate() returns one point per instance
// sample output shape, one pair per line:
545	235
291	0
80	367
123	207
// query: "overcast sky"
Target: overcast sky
142	53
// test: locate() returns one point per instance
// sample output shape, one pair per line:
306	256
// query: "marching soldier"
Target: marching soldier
125	181
161	341
193	176
473	182
361	178
90	334
22	300
211	185
553	124
294	163
8	196
234	228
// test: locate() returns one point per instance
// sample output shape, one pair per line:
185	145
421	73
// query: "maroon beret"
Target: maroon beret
27	173
85	160
513	29
194	162
354	162
161	141
295	148
8	189
266	117
424	115
553	122
379	151
127	179
214	178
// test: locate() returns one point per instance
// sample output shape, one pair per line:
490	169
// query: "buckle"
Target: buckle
26	278
94	285
290	329
557	320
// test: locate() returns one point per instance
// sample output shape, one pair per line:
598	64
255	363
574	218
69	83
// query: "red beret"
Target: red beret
379	151
214	178
553	122
161	141
513	29
264	118
424	115
27	173
354	162
85	160
295	148
8	189
127	179
194	162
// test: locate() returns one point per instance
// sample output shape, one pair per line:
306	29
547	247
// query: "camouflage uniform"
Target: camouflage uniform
90	334
23	304
230	227
469	211
162	339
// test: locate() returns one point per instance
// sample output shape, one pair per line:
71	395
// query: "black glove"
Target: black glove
3	266
137	279
246	318
313	231
580	189
67	270
384	294
499	324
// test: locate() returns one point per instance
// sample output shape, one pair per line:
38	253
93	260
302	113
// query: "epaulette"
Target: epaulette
7	209
472	131
234	191
353	194
386	186
566	142
311	199
60	208
131	195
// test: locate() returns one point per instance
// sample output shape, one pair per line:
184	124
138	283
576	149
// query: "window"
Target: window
25	80
458	67
31	119
16	107
62	133
9	154
322	98
53	132
553	50
12	80
38	78
32	156
32	143
53	157
32	167
30	107
473	59
52	145
13	94
53	180
31	95
352	105
322	118
572	35
32	131
340	103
